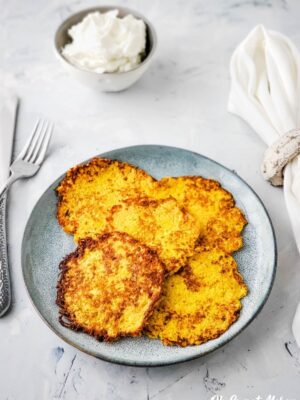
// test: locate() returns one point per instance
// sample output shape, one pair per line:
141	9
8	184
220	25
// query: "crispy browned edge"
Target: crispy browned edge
184	342
65	318
72	173
216	184
208	181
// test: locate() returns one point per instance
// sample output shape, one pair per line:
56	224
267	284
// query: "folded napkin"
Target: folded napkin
8	108
265	92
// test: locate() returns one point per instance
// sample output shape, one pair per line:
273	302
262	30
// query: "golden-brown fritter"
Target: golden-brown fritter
109	286
161	225
211	205
200	302
88	192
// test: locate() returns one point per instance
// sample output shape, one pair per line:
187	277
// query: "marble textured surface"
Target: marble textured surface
181	101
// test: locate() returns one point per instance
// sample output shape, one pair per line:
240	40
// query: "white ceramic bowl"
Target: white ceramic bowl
105	82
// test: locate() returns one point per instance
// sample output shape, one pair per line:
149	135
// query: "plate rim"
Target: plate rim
156	363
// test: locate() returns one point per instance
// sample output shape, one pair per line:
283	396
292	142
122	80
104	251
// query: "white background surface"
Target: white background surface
181	101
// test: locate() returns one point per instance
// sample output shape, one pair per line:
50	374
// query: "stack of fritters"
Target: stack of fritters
152	256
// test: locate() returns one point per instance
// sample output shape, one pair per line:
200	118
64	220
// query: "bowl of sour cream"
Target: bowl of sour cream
107	48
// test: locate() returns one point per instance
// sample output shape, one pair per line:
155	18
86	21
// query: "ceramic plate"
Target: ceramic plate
45	244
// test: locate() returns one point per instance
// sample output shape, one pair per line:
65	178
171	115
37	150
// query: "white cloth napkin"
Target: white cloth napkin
8	108
265	92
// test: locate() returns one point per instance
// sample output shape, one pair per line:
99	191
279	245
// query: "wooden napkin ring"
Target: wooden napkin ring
279	155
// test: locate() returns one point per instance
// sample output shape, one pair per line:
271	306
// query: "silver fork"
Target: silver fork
31	157
25	165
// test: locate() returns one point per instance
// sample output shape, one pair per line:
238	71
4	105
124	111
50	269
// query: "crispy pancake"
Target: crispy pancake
213	207
200	302
160	224
109	286
88	192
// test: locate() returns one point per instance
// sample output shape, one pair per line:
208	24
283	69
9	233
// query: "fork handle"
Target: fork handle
5	288
12	178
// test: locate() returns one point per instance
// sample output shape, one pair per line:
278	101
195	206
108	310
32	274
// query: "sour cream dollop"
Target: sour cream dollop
103	42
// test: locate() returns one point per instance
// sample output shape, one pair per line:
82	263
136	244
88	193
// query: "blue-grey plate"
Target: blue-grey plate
45	244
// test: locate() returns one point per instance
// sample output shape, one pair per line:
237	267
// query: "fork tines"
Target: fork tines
36	146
